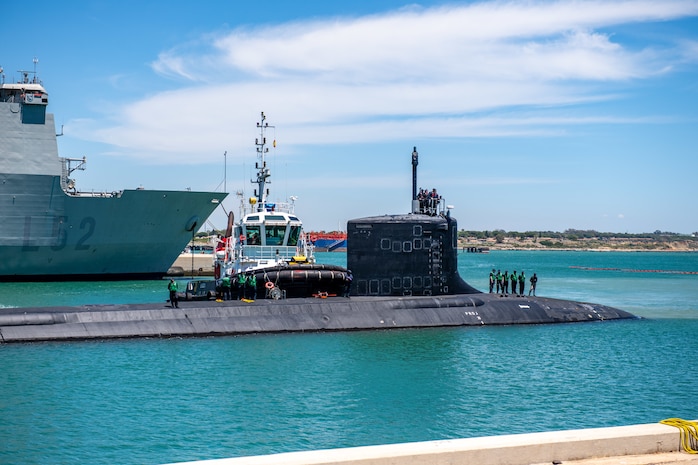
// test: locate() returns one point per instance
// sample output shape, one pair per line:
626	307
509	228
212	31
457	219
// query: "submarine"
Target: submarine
404	274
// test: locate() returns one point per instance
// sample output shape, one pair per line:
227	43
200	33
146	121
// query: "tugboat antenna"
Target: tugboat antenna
262	170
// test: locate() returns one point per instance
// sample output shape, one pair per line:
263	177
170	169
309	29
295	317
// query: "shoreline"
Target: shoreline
573	242
572	249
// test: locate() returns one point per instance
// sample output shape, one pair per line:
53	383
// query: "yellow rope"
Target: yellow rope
689	433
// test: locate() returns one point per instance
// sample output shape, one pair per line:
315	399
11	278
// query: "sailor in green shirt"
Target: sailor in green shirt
225	287
252	286
499	281
172	287
241	284
514	282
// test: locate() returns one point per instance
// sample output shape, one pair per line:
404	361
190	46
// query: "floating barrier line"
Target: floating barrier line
631	270
689	433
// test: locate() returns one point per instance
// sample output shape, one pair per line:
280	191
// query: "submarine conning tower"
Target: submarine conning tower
408	254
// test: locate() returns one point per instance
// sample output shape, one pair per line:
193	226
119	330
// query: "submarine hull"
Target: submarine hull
210	318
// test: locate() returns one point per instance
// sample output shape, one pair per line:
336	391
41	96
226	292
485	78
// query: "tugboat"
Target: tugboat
267	253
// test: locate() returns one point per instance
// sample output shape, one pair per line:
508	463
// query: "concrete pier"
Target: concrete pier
626	445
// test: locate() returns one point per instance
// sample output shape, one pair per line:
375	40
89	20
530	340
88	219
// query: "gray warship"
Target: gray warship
50	230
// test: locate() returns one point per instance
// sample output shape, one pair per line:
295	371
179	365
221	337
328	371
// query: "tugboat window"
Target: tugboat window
293	235
252	235
275	234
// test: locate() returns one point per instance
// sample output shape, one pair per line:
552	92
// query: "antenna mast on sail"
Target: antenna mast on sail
262	170
415	162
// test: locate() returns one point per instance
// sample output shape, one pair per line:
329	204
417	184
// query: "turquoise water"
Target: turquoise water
566	275
153	401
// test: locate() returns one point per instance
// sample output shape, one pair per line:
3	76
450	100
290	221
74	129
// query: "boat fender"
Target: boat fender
229	229
269	285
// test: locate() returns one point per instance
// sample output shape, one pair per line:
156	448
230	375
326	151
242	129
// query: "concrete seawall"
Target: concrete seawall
187	264
637	444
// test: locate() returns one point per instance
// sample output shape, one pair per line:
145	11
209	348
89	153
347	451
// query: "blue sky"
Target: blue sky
528	115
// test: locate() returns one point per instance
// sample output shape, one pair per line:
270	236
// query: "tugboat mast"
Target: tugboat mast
262	171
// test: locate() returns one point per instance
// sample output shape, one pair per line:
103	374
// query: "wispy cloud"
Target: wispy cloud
431	72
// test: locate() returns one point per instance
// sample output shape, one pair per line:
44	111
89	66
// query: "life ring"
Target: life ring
269	285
